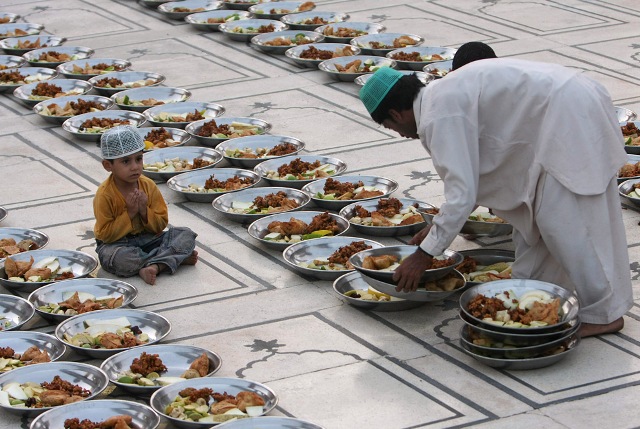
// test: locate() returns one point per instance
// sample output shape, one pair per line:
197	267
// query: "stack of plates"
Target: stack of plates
519	347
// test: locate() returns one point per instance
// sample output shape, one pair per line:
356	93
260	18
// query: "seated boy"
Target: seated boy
131	215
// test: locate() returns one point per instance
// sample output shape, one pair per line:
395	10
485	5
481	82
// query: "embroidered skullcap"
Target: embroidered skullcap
378	86
119	142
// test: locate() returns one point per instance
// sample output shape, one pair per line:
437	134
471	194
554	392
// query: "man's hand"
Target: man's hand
408	274
420	235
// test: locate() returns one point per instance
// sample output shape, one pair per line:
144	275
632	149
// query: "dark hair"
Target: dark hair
470	52
399	98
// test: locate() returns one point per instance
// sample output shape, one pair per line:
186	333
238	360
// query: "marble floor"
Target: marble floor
330	363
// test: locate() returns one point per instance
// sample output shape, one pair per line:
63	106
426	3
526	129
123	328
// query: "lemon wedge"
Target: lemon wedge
148	144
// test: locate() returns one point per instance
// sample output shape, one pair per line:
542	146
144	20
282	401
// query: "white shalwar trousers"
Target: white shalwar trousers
582	247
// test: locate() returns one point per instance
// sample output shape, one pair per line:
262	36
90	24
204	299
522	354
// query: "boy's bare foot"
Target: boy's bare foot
191	259
591	329
149	273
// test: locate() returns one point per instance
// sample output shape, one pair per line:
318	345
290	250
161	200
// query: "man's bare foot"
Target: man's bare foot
591	329
191	259
149	273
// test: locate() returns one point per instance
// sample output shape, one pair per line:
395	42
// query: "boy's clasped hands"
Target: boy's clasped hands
137	203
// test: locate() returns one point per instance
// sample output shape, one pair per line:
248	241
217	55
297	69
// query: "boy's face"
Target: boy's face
127	169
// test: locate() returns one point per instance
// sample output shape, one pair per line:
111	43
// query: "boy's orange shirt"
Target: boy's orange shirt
112	219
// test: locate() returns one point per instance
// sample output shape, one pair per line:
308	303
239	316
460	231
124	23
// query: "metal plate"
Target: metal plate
382	231
261	40
163	94
194	128
320	248
39	238
362	27
329	66
199	20
296	21
183	152
438	69
224	203
264	167
282	8
127	78
271	422
635	150
12	17
72	125
79	52
446	54
154	325
354	281
295	53
176	357
98	287
387	39
631	159
20	341
422	77
387	186
98	410
12	61
67	86
66	69
473	229
181	182
82	264
3	213
251	25
488	257
525	364
254	143
105	102
163	397
208	110
401	252
15	311
45	75
568	302
168	9
259	228
421	294
181	136
10	44
8	30
87	376
625	115
627	186
239	4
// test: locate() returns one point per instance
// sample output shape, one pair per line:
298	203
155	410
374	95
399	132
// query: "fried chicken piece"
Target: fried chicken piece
158	136
483	307
231	184
377	219
6	352
201	364
361	211
543	313
342	255
277	200
332	186
17	268
130	340
112	82
293	226
416	218
248	399
44	273
147	363
379	262
44	89
367	194
323	221
468	265
193	394
389	207
115	421
297	167
313	53
282	149
54	398
31	353
109	340
222	407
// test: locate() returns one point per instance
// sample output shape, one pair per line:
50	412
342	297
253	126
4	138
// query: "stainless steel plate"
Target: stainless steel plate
270	422
625	115
249	28
176	357
182	152
41	73
298	21
128	79
154	325
20	341
488	257
73	124
295	53
163	397
259	228
320	248
8	30
438	69
39	238
270	10
181	182
98	287
419	295
332	31
631	159
194	128
3	213
254	143
97	411
105	102
75	52
568	303
181	136
261	41
224	204
14	312
208	110
163	94
445	54
67	86
422	76
386	39
12	17
200	20
354	281
387	186
474	229
66	69
11	61
84	375
401	252
383	231
169	9
11	45
329	66
239	4
338	166
82	264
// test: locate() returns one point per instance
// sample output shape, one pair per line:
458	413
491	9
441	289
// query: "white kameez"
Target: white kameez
539	144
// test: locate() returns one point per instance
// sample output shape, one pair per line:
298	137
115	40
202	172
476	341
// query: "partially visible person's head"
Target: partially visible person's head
470	52
388	96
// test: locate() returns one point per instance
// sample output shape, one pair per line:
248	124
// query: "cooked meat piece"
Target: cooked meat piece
483	307
377	219
342	255
323	221
147	363
248	399
6	352
193	394
45	273
379	262
629	129
59	384
17	268
12	77
416	218
103	123
279	199
222	407
231	184
293	226
367	194
44	89
116	422
333	186
282	149
266	28
297	167
389	207
201	364
313	53
111	82
468	265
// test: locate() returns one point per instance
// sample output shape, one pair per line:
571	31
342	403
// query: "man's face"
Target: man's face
404	123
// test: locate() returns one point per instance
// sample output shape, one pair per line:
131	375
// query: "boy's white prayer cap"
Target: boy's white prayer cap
119	142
